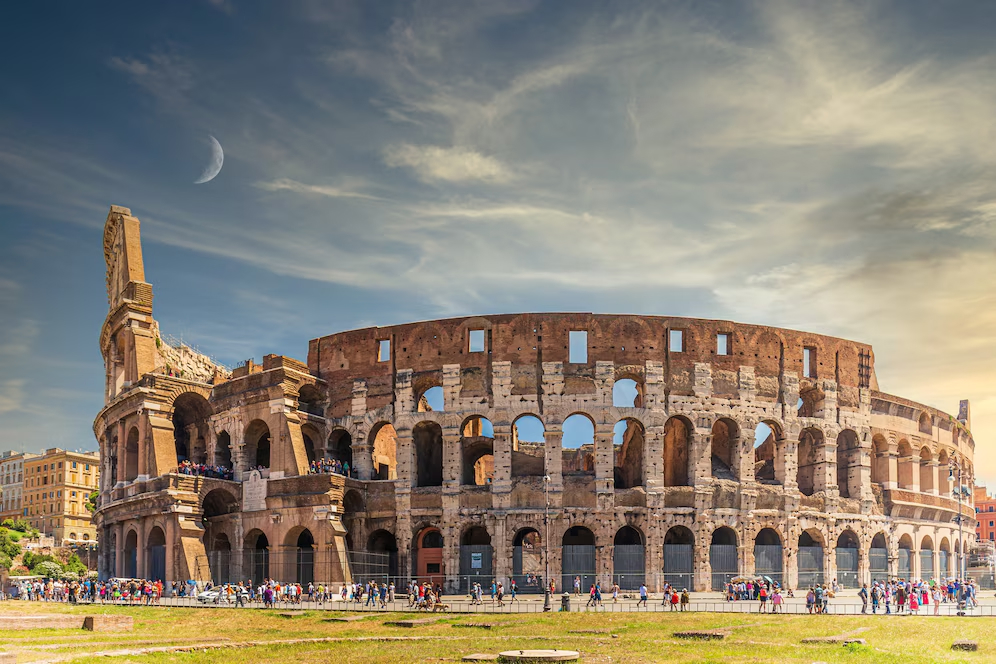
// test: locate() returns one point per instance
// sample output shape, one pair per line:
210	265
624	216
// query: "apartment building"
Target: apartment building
54	496
11	483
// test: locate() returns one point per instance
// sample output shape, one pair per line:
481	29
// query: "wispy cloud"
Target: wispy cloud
285	184
432	162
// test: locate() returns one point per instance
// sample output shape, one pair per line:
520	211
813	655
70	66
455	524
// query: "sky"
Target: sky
825	166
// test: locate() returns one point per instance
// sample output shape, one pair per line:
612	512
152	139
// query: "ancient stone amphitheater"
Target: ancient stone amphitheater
532	447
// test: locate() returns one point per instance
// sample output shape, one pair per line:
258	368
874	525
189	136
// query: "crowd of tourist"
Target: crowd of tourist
187	467
327	465
86	590
902	596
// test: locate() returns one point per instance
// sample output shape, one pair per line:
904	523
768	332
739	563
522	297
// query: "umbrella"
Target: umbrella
768	579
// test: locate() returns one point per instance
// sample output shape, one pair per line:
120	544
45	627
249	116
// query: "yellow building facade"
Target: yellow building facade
56	487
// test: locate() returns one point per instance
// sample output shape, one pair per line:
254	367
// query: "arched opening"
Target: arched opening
339	452
304	556
810	560
429	556
627	393
311	401
131	455
191	414
769	453
927	470
527	561
848	464
528	447
352	503
677	444
131	555
725	442
723	557
157	555
475	558
311	438
905	464
223	451
219	550
811	473
627	444
383	560
847	559
944	559
427	438
257	447
878	558
385	452
577	557
926	425
578	447
768	555
811	402
905	562
477	451
256	556
679	545
628	558
943	469
880	464
927	558
431	400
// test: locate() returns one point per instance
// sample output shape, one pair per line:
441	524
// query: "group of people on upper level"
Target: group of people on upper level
326	465
187	467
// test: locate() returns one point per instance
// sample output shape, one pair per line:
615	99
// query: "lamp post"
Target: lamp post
547	600
953	466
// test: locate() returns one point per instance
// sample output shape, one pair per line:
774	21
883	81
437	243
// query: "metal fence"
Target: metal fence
768	561
724	563
878	561
926	563
577	560
810	566
847	567
905	561
678	565
476	566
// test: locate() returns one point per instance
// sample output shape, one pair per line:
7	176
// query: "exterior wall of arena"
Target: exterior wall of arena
526	447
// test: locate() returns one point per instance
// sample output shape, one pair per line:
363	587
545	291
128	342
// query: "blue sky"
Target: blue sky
817	165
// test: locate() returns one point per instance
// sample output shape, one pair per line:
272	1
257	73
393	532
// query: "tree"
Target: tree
49	569
91	502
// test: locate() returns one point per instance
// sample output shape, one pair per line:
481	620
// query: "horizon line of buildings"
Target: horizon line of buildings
50	491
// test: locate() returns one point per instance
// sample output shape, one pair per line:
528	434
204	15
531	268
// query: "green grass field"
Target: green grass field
606	638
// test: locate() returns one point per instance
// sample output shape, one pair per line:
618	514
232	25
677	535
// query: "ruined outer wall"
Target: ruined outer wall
529	340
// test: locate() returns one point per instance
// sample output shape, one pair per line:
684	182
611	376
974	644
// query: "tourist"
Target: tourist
863	594
577	586
591	596
643	594
674	599
685	599
776	601
810	600
762	595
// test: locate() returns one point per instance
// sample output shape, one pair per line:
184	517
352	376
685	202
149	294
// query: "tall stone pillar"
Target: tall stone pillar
142	552
501	483
554	438
363	451
122	463
701	567
143	445
501	547
864	567
604	466
119	543
653	460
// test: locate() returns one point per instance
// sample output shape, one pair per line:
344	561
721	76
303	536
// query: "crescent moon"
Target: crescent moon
214	166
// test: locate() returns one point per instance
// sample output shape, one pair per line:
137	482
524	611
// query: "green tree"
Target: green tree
91	502
48	568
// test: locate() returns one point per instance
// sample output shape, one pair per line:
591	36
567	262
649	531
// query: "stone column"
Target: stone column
502	550
405	444
892	459
143	446
744	455
362	451
654	552
829	562
554	437
702	569
501	484
787	463
653	460
791	562
604	466
119	549
700	454
935	471
122	464
452	463
142	549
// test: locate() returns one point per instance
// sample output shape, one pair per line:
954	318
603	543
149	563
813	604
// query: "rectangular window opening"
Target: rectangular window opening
578	347
722	344
676	341
477	341
384	350
809	362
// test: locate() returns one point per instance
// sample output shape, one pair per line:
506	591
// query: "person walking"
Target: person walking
643	594
577	586
863	594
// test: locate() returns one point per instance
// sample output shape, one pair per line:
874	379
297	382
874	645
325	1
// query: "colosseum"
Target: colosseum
533	447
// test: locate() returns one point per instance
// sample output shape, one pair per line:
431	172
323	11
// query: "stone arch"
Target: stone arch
724	448
340	448
223	450
848	464
528	560
925	424
811	462
131	554
528	446
257	445
878	557
476	557
880	460
627	445
628	392
810	556
943	471
769	453
944	558
905	464
311	400
768	558
219	550
629	558
256	555
301	542
191	415
927	469
384	451
905	561
429	563
353	503
679	556
677	450
131	454
577	556
847	555
578	445
477	451
312	438
723	559
431	399
427	443
156	549
926	557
